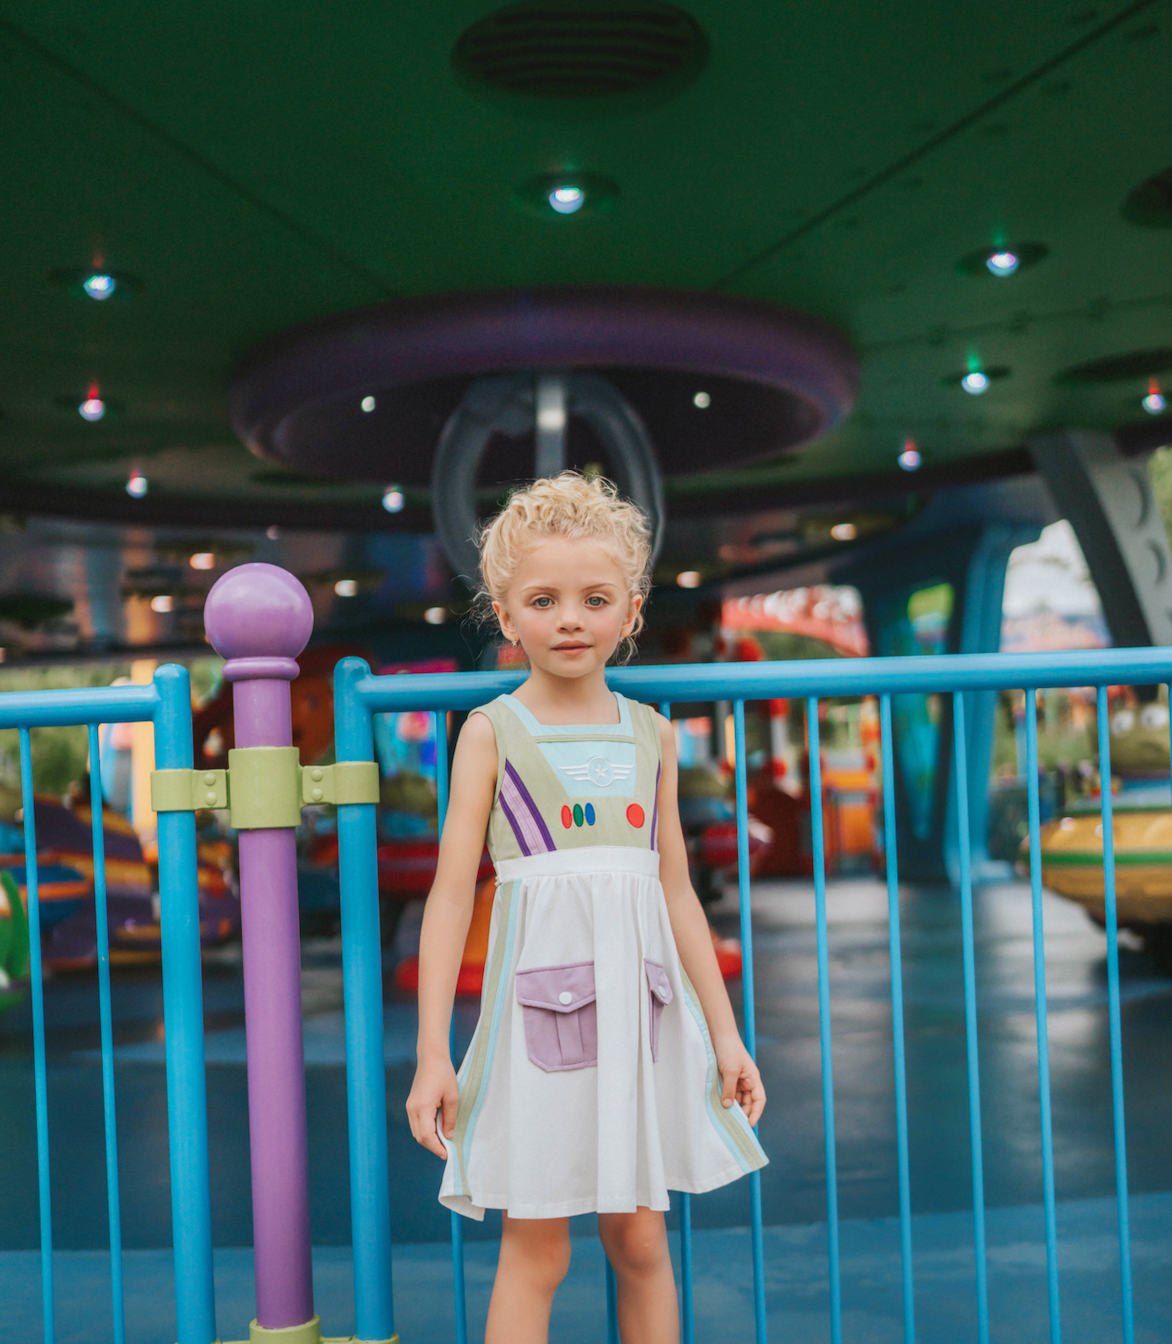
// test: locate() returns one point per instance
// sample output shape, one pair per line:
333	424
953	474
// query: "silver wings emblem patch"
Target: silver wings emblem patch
598	770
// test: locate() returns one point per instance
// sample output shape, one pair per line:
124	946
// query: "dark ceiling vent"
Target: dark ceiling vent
592	56
1136	364
1150	204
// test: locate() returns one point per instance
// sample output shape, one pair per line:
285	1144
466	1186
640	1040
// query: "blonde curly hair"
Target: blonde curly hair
567	505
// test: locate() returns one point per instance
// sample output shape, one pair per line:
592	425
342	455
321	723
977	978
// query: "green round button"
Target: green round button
577	814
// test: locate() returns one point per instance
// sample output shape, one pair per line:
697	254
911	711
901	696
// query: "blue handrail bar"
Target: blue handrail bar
824	679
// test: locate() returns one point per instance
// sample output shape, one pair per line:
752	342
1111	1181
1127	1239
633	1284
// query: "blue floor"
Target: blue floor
796	1291
793	1185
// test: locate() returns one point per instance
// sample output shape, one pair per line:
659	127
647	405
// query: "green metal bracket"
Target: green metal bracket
340	783
264	788
188	790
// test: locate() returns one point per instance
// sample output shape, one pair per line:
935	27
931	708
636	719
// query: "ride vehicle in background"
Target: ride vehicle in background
65	886
1141	800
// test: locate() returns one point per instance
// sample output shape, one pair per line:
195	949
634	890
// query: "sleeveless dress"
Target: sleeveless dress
590	1084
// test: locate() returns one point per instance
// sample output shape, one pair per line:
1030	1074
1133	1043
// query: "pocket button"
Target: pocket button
565	997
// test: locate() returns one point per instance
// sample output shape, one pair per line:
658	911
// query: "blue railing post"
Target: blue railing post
366	1083
441	798
960	764
819	849
187	1112
37	988
1117	1110
891	858
756	1233
1031	726
113	1199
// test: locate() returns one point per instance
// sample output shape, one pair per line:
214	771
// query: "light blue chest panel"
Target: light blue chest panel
598	761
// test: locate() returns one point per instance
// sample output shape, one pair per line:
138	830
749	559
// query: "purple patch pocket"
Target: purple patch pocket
561	1016
659	995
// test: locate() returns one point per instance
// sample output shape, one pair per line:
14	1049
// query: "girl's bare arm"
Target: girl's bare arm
446	918
739	1074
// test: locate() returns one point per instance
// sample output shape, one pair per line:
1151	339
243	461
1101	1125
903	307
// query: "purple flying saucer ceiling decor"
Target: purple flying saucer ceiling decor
715	381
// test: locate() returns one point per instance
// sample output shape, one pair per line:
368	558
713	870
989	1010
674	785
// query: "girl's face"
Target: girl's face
568	605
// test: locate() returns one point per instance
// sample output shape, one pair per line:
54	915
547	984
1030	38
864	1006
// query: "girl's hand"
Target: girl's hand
434	1089
741	1078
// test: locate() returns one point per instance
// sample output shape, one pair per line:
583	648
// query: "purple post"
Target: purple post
259	618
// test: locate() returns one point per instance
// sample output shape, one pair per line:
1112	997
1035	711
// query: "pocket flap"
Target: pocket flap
657	980
560	988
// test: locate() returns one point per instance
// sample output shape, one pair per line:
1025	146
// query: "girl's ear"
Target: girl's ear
632	614
508	629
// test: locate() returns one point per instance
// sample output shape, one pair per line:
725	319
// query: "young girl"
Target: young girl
606	1068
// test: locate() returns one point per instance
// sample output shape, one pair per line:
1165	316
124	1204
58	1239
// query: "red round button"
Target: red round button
567	817
635	814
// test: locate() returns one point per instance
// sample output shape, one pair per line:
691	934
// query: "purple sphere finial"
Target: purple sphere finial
258	611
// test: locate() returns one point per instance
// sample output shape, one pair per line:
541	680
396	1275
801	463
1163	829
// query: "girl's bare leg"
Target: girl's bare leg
534	1258
636	1246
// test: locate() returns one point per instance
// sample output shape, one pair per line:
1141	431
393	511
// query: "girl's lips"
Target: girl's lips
570	648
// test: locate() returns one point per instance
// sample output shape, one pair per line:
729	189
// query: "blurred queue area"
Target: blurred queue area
1049	604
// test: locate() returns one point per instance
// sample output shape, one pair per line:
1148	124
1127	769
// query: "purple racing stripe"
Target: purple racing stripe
528	826
655	809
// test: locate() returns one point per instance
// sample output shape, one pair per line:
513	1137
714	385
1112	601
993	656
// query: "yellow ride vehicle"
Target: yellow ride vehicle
1072	845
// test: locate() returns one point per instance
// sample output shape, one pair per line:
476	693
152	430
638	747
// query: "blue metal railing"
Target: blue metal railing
166	702
359	695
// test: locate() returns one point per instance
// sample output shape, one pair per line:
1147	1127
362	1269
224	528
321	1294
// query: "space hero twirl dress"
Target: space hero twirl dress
590	1083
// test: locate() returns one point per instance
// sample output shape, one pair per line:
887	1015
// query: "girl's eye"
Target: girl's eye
543	601
596	601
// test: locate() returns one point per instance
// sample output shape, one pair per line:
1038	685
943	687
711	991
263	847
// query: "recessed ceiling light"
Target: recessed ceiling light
368	403
393	500
844	531
435	615
965	378
346	587
689	578
163	603
567	200
96	281
702	399
99	285
555	195
92	409
1003	259
1154	402
136	485
909	459
203	560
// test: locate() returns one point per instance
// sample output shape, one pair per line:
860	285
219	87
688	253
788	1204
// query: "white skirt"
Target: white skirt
590	1084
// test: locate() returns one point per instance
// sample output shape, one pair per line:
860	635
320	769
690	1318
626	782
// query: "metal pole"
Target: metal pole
187	1111
366	1077
259	618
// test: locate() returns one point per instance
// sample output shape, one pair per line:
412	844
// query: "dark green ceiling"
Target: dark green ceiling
260	165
